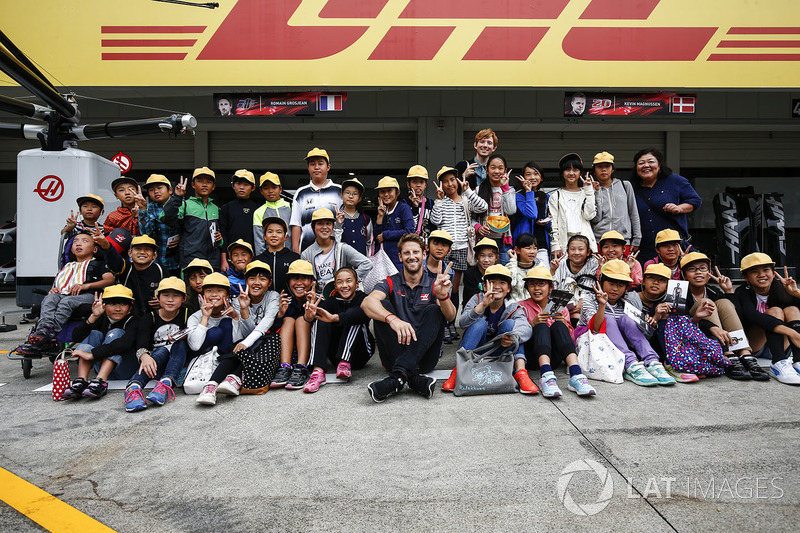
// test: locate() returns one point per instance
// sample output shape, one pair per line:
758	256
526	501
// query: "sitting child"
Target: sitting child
161	355
715	313
769	306
257	307
327	256
295	332
487	316
75	284
612	246
669	250
579	265
608	304
339	332
105	340
486	254
215	325
240	253
194	274
521	259
551	342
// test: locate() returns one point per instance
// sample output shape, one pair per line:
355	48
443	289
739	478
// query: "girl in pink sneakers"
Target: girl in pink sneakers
339	331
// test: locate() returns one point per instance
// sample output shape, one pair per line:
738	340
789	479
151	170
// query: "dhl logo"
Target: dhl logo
269	31
660	44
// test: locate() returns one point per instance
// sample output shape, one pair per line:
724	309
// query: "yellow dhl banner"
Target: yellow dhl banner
431	43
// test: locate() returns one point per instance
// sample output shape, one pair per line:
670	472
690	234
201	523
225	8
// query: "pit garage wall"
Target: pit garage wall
734	136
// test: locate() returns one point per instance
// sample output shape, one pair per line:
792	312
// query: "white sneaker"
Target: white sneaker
784	372
209	394
796	367
230	385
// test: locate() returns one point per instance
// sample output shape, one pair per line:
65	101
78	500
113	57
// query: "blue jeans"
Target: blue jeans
504	248
170	362
96	338
477	335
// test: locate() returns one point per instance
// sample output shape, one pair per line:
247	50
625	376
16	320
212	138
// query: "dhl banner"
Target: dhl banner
581	44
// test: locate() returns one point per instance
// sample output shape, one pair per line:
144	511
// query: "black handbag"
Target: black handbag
260	362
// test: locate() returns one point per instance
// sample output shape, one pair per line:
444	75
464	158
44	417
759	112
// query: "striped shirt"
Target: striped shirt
308	199
449	216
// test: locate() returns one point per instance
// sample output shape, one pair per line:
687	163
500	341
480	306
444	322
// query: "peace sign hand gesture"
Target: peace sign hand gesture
441	287
587	181
311	309
206	307
602	297
555	262
141	203
414	197
439	191
724	282
180	187
526	186
339	215
788	282
97	306
229	310
98	238
631	260
244	296
506	178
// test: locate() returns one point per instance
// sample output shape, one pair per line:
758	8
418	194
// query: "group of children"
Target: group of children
169	278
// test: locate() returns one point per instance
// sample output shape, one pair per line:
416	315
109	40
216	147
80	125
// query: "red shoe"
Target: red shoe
450	384
526	386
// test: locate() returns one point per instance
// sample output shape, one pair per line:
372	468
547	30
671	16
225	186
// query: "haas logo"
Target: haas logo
50	188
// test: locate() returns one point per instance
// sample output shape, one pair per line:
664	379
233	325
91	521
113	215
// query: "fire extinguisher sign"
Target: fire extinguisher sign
123	162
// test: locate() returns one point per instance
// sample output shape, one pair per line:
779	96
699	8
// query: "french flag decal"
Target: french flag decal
330	102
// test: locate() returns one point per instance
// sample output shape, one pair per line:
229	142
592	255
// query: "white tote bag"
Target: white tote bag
199	371
382	268
599	358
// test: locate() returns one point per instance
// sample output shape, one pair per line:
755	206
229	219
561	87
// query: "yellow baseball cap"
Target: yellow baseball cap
667	235
441	235
444	170
318	152
241	243
418	171
171	283
617	269
156	179
603	157
691	257
756	259
257	265
611	236
658	269
204	171
539	272
323	213
90	198
245	175
388	182
144	240
199	263
486	241
497	270
270	177
117	291
300	267
353	182
215	279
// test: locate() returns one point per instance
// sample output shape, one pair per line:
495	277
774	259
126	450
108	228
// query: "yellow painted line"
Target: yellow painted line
43	508
3	351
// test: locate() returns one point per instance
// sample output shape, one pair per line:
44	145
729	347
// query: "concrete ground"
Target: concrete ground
709	456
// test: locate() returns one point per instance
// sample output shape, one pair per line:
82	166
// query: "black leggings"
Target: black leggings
553	341
229	365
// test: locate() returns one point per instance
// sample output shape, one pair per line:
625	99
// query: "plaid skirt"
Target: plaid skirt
459	259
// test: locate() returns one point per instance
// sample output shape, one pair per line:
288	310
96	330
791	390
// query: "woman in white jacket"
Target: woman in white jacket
572	207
